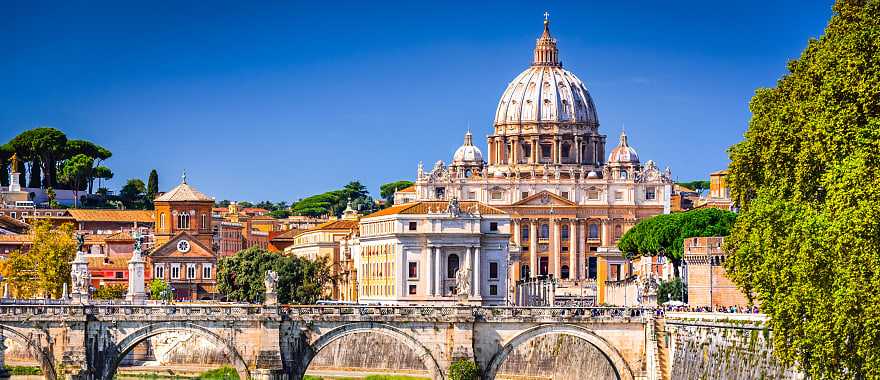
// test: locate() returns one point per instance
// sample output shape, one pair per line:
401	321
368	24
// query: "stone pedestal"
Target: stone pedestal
80	279
271	299
136	294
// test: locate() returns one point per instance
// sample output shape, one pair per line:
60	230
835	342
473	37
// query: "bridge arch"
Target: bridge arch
47	366
371	327
131	340
609	351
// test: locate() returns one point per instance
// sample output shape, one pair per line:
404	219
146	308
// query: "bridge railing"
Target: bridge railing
484	313
207	310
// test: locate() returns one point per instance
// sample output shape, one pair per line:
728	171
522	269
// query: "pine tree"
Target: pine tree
35	174
152	185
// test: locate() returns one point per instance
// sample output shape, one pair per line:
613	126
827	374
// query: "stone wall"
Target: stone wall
368	351
559	357
723	350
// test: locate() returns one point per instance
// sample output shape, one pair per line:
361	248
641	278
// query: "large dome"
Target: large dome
545	92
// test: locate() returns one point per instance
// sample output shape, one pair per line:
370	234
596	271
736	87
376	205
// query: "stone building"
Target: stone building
707	281
412	254
719	193
547	168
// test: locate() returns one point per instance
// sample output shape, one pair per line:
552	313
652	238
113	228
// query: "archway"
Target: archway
620	365
131	340
370	327
46	364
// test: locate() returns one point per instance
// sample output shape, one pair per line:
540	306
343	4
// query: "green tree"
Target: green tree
76	172
102	173
664	234
672	290
45	267
153	185
90	149
387	190
133	193
280	214
111	292
46	144
159	290
35	176
696	185
463	369
807	239
301	281
6	152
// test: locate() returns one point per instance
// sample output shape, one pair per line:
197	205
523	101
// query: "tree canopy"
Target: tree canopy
300	281
75	172
43	269
133	194
387	190
695	185
807	239
664	234
334	202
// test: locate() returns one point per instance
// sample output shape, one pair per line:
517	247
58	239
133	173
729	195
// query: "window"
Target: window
565	194
493	270
413	226
13	214
204	224
524	231
527	150
623	174
618	195
183	221
175	271
412	289
493	290
545	150
451	265
413	270
591	267
564	232
159	271
563	272
497	195
618	231
545	232
523	271
162	221
594	231
493	226
206	271
565	149
190	271
650	193
472	195
119	275
524	195
440	193
593	195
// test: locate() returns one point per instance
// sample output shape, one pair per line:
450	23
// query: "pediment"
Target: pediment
544	198
170	248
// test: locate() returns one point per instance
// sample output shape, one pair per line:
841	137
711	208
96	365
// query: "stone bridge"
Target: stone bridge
279	342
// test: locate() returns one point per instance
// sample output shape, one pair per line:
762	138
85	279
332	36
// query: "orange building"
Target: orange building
183	209
708	284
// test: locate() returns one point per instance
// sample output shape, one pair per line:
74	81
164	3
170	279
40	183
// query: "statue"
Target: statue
453	208
80	241
463	282
546	171
138	241
136	266
14	162
532	171
556	172
271	281
421	172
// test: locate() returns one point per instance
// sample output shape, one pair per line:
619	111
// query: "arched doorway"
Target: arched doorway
129	342
369	327
620	368
47	365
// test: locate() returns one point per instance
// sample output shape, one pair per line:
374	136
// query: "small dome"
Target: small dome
468	154
623	153
592	174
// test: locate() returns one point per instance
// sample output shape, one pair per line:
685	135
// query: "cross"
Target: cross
546	16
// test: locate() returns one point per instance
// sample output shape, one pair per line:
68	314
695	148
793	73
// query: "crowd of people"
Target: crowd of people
706	309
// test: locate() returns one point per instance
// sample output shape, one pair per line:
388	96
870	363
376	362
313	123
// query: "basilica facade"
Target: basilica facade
547	167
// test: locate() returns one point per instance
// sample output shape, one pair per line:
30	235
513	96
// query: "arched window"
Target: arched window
204	224
564	232
545	231
618	231
594	231
524	230
563	272
162	221
524	271
566	148
623	174
183	221
451	265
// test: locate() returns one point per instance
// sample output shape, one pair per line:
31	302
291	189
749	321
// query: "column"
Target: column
556	246
438	273
503	145
477	277
489	152
582	248
468	264
554	151
430	271
533	248
572	249
577	144
534	149
513	151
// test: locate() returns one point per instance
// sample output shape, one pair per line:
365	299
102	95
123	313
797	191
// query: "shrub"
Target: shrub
463	369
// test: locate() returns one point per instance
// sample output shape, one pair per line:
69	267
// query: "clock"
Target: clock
183	246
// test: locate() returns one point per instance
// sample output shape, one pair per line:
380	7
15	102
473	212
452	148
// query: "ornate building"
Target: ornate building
547	168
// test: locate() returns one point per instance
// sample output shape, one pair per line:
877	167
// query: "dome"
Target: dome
545	92
468	154
623	153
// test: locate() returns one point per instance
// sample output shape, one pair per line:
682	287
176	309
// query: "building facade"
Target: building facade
413	254
547	168
707	281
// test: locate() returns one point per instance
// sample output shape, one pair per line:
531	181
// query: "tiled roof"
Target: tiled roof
108	262
436	207
289	234
16	238
333	225
720	172
120	236
410	189
253	210
86	215
184	192
12	222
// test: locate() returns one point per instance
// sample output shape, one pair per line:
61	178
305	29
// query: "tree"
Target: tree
152	185
672	290
241	277
132	194
387	190
76	172
111	292
280	214
464	369
102	173
6	152
159	290
90	149
807	239
664	234
695	185
35	176
47	144
45	267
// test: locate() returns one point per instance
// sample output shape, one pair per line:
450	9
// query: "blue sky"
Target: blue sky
281	100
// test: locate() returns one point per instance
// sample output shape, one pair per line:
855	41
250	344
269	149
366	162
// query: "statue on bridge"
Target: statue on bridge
270	282
463	283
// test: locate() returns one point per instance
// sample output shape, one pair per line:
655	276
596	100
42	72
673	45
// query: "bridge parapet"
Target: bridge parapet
465	313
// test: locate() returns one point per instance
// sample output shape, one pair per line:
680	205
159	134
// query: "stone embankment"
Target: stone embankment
721	346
